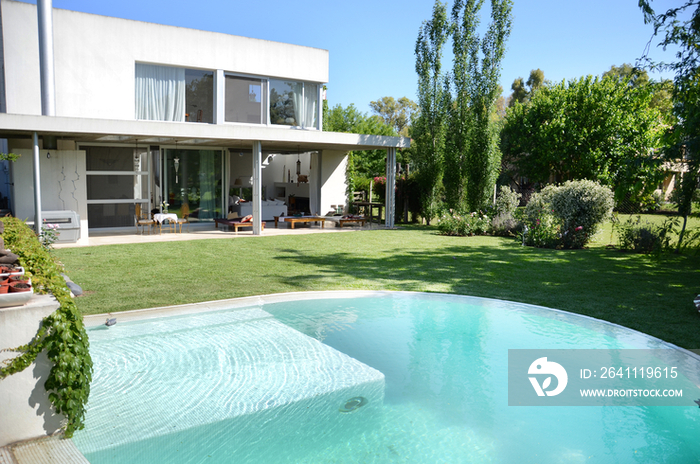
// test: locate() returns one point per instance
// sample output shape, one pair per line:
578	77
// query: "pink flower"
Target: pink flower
579	228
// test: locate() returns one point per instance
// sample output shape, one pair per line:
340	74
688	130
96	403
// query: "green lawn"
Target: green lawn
653	295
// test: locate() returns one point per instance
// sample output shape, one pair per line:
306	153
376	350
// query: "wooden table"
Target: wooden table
160	218
294	219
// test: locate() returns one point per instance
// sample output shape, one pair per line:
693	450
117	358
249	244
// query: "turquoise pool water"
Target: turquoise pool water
267	383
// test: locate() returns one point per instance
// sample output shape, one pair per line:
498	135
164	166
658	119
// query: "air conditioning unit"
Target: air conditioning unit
68	223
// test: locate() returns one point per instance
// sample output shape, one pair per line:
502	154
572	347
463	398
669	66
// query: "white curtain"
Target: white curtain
160	93
310	105
297	89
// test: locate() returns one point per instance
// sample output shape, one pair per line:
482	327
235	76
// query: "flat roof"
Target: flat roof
235	136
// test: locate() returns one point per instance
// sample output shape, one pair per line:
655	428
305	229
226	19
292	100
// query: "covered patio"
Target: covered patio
44	138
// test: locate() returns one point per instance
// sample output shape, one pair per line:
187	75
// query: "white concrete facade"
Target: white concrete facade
62	184
96	56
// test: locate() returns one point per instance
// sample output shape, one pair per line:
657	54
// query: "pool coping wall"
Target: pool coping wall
242	302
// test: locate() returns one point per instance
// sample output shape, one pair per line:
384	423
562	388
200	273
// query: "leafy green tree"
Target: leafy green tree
395	114
635	77
523	90
361	164
520	92
638	77
429	128
472	157
536	79
682	143
591	128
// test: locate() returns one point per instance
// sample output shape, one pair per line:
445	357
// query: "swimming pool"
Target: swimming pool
357	378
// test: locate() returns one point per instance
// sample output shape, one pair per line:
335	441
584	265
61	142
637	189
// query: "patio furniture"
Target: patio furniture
235	223
185	219
369	206
303	219
340	221
142	220
161	218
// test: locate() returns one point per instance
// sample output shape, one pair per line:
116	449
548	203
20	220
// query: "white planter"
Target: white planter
25	408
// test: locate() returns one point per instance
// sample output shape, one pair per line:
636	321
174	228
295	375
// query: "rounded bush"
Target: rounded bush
581	205
571	212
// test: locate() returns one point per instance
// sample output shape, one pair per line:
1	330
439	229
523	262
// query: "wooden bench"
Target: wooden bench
235	223
362	221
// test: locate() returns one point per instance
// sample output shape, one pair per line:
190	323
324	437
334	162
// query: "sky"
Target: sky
371	42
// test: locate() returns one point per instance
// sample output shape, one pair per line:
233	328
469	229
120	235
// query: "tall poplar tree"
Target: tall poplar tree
472	158
429	128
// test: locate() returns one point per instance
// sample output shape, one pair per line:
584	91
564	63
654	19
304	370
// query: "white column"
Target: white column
219	91
37	186
390	205
257	188
315	184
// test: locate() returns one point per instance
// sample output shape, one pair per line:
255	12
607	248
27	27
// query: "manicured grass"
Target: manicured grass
652	295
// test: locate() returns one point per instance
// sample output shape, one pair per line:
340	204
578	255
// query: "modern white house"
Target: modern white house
110	113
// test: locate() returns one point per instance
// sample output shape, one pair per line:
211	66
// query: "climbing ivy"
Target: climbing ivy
61	334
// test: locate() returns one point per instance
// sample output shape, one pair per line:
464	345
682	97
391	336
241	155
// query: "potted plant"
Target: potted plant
16	287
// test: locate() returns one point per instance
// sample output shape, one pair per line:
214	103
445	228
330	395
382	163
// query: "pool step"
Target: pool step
218	376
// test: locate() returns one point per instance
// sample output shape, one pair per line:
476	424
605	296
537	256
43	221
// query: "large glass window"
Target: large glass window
246	100
199	101
286	102
193	178
294	103
165	93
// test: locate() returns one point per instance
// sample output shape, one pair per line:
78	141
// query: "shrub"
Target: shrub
542	231
581	206
463	225
505	225
61	334
634	235
507	201
567	216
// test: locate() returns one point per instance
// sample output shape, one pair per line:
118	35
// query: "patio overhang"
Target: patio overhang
258	139
284	139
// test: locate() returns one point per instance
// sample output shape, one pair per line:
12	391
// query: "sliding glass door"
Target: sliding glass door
193	182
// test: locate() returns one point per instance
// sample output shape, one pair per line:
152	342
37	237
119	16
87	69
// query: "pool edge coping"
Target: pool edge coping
94	320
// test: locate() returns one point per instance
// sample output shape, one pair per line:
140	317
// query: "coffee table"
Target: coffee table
293	220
